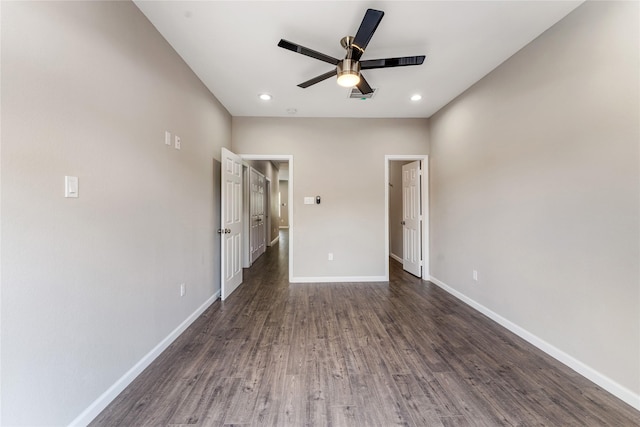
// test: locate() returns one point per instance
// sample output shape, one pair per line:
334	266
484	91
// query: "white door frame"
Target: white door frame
282	158
424	182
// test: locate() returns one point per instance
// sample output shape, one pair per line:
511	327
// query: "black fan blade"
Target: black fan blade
363	86
318	79
308	52
391	62
368	26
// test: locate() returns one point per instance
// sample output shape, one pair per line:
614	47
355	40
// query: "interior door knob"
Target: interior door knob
402	222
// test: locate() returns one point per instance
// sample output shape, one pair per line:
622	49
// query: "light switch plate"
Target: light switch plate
71	186
167	137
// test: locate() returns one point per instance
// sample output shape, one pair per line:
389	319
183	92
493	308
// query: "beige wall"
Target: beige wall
534	183
284	203
341	160
90	285
275	216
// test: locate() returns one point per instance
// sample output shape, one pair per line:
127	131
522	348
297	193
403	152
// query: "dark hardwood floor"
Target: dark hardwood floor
355	354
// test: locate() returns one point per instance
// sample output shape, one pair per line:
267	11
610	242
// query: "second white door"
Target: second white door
411	219
257	214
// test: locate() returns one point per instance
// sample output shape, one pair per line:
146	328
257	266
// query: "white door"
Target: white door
257	212
411	219
231	219
267	212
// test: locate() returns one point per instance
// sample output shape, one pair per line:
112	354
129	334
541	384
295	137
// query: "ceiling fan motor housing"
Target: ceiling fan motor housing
348	66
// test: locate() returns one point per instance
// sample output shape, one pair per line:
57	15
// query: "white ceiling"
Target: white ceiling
232	47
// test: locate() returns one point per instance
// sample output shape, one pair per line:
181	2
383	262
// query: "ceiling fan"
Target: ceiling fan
348	69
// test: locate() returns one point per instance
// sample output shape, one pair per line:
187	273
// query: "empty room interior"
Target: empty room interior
346	213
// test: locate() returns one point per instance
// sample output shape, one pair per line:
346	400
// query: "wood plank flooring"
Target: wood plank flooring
355	354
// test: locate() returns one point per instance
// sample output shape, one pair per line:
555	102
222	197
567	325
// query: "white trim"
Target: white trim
283	158
334	279
396	257
112	392
274	241
284	227
425	209
618	390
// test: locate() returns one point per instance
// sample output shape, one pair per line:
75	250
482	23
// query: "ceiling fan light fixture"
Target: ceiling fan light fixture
348	80
348	73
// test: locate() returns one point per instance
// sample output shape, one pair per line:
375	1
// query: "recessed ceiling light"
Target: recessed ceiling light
265	97
416	97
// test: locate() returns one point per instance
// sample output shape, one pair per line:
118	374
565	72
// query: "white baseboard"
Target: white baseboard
284	226
396	257
586	371
334	279
112	392
274	241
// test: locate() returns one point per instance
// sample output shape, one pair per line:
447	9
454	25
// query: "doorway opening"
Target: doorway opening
407	213
284	206
243	213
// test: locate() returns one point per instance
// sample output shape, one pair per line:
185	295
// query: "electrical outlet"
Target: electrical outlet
475	275
183	289
178	143
330	256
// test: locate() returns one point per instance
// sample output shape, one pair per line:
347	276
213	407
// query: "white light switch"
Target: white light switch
167	137
70	186
309	201
178	142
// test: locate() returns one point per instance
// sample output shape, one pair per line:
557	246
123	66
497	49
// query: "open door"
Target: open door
411	219
257	219
267	211
231	220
